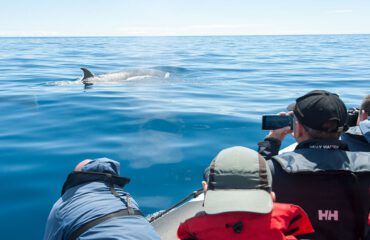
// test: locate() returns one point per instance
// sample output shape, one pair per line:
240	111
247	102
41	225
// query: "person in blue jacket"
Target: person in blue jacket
94	206
358	137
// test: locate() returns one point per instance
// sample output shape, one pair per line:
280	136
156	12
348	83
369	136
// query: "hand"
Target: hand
281	132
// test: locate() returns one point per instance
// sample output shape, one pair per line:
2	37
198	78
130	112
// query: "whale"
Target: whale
89	78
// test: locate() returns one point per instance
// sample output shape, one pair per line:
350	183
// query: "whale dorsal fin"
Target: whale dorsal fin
87	73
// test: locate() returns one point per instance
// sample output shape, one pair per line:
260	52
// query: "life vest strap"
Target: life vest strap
124	212
109	182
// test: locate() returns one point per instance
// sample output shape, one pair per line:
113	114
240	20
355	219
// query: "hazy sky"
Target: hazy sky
182	17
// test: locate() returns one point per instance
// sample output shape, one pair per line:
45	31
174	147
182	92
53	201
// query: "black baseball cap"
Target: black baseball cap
317	107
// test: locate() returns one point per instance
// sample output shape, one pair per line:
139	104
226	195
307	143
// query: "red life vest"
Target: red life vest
285	221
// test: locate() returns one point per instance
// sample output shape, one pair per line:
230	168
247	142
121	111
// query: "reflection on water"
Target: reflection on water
147	147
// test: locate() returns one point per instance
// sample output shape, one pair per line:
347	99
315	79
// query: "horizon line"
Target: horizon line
210	35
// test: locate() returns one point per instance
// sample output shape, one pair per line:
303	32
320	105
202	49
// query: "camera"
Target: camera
352	116
271	122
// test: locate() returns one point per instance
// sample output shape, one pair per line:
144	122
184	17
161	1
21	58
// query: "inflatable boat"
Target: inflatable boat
167	222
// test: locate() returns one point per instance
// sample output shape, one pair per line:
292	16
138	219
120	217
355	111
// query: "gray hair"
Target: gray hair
366	104
323	135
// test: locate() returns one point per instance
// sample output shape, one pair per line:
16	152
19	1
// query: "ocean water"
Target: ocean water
164	129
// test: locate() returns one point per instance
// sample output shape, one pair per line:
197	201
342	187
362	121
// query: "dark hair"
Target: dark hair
366	104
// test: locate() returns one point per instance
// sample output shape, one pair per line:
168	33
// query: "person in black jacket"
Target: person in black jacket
358	137
321	175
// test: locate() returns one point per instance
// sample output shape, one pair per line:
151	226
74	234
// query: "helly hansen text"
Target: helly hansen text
328	215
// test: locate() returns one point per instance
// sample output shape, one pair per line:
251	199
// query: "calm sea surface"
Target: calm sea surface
163	130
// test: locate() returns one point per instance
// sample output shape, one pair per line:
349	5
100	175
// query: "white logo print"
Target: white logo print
328	215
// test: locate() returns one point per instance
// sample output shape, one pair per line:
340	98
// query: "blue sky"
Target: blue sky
182	17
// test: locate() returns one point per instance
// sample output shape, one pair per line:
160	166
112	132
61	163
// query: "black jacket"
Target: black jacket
327	181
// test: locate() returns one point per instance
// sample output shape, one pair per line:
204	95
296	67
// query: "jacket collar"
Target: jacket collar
323	144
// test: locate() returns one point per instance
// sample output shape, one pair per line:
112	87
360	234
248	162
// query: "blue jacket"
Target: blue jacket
85	202
358	138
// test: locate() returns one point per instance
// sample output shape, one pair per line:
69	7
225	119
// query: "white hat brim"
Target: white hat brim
237	200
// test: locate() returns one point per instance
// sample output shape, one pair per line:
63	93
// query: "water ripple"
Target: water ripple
163	131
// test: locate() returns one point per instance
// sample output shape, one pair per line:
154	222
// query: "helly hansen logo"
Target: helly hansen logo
328	215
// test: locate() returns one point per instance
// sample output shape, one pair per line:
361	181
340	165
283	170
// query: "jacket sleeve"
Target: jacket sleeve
269	147
183	232
54	229
300	225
